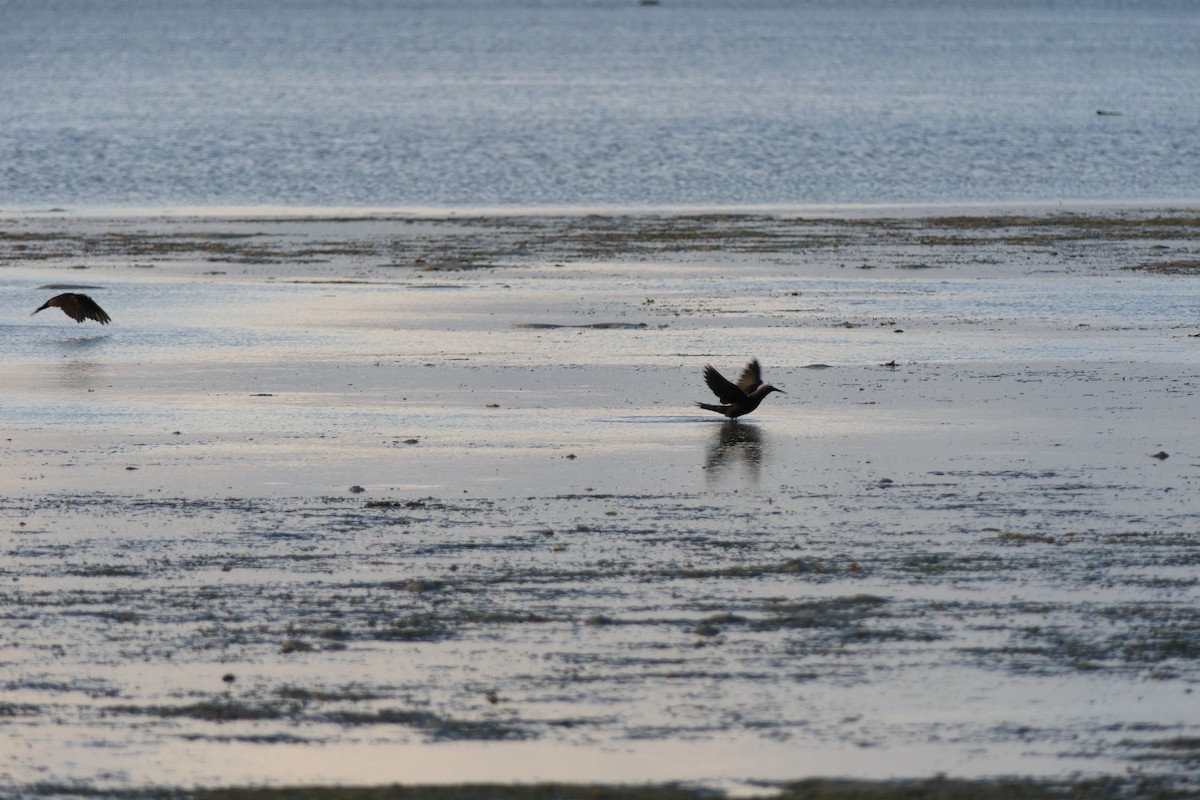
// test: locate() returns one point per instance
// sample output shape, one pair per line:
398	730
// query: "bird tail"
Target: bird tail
707	407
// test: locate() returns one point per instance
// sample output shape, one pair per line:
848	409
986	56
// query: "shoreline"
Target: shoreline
800	210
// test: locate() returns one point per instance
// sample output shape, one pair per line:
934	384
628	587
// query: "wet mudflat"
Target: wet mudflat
385	500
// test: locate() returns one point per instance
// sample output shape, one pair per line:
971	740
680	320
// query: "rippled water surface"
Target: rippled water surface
607	102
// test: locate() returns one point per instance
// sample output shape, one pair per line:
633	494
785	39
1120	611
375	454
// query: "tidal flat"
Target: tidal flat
365	505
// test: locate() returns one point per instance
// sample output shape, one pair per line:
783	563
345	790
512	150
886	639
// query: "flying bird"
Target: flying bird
740	398
77	306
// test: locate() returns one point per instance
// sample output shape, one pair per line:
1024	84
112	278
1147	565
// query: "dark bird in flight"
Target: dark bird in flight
740	398
77	306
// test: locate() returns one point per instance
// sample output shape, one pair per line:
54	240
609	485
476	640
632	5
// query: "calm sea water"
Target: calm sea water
461	103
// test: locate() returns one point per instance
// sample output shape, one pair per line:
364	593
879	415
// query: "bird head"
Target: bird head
767	388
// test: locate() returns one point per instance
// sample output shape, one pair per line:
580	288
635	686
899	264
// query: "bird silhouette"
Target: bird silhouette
740	398
77	306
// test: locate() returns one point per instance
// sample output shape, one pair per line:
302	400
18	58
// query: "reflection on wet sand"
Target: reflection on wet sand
78	375
74	343
736	442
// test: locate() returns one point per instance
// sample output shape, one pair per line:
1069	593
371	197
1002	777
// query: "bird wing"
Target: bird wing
725	391
55	302
87	307
751	377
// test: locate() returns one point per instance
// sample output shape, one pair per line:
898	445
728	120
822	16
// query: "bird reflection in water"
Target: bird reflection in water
77	343
735	443
76	375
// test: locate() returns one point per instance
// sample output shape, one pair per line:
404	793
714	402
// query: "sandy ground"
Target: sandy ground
425	499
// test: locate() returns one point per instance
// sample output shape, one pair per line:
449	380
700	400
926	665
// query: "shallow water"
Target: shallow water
523	103
551	565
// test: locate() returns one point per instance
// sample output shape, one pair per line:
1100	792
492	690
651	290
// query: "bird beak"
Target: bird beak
780	390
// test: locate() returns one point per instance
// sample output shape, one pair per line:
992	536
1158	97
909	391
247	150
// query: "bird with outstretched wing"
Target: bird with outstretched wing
737	399
76	306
